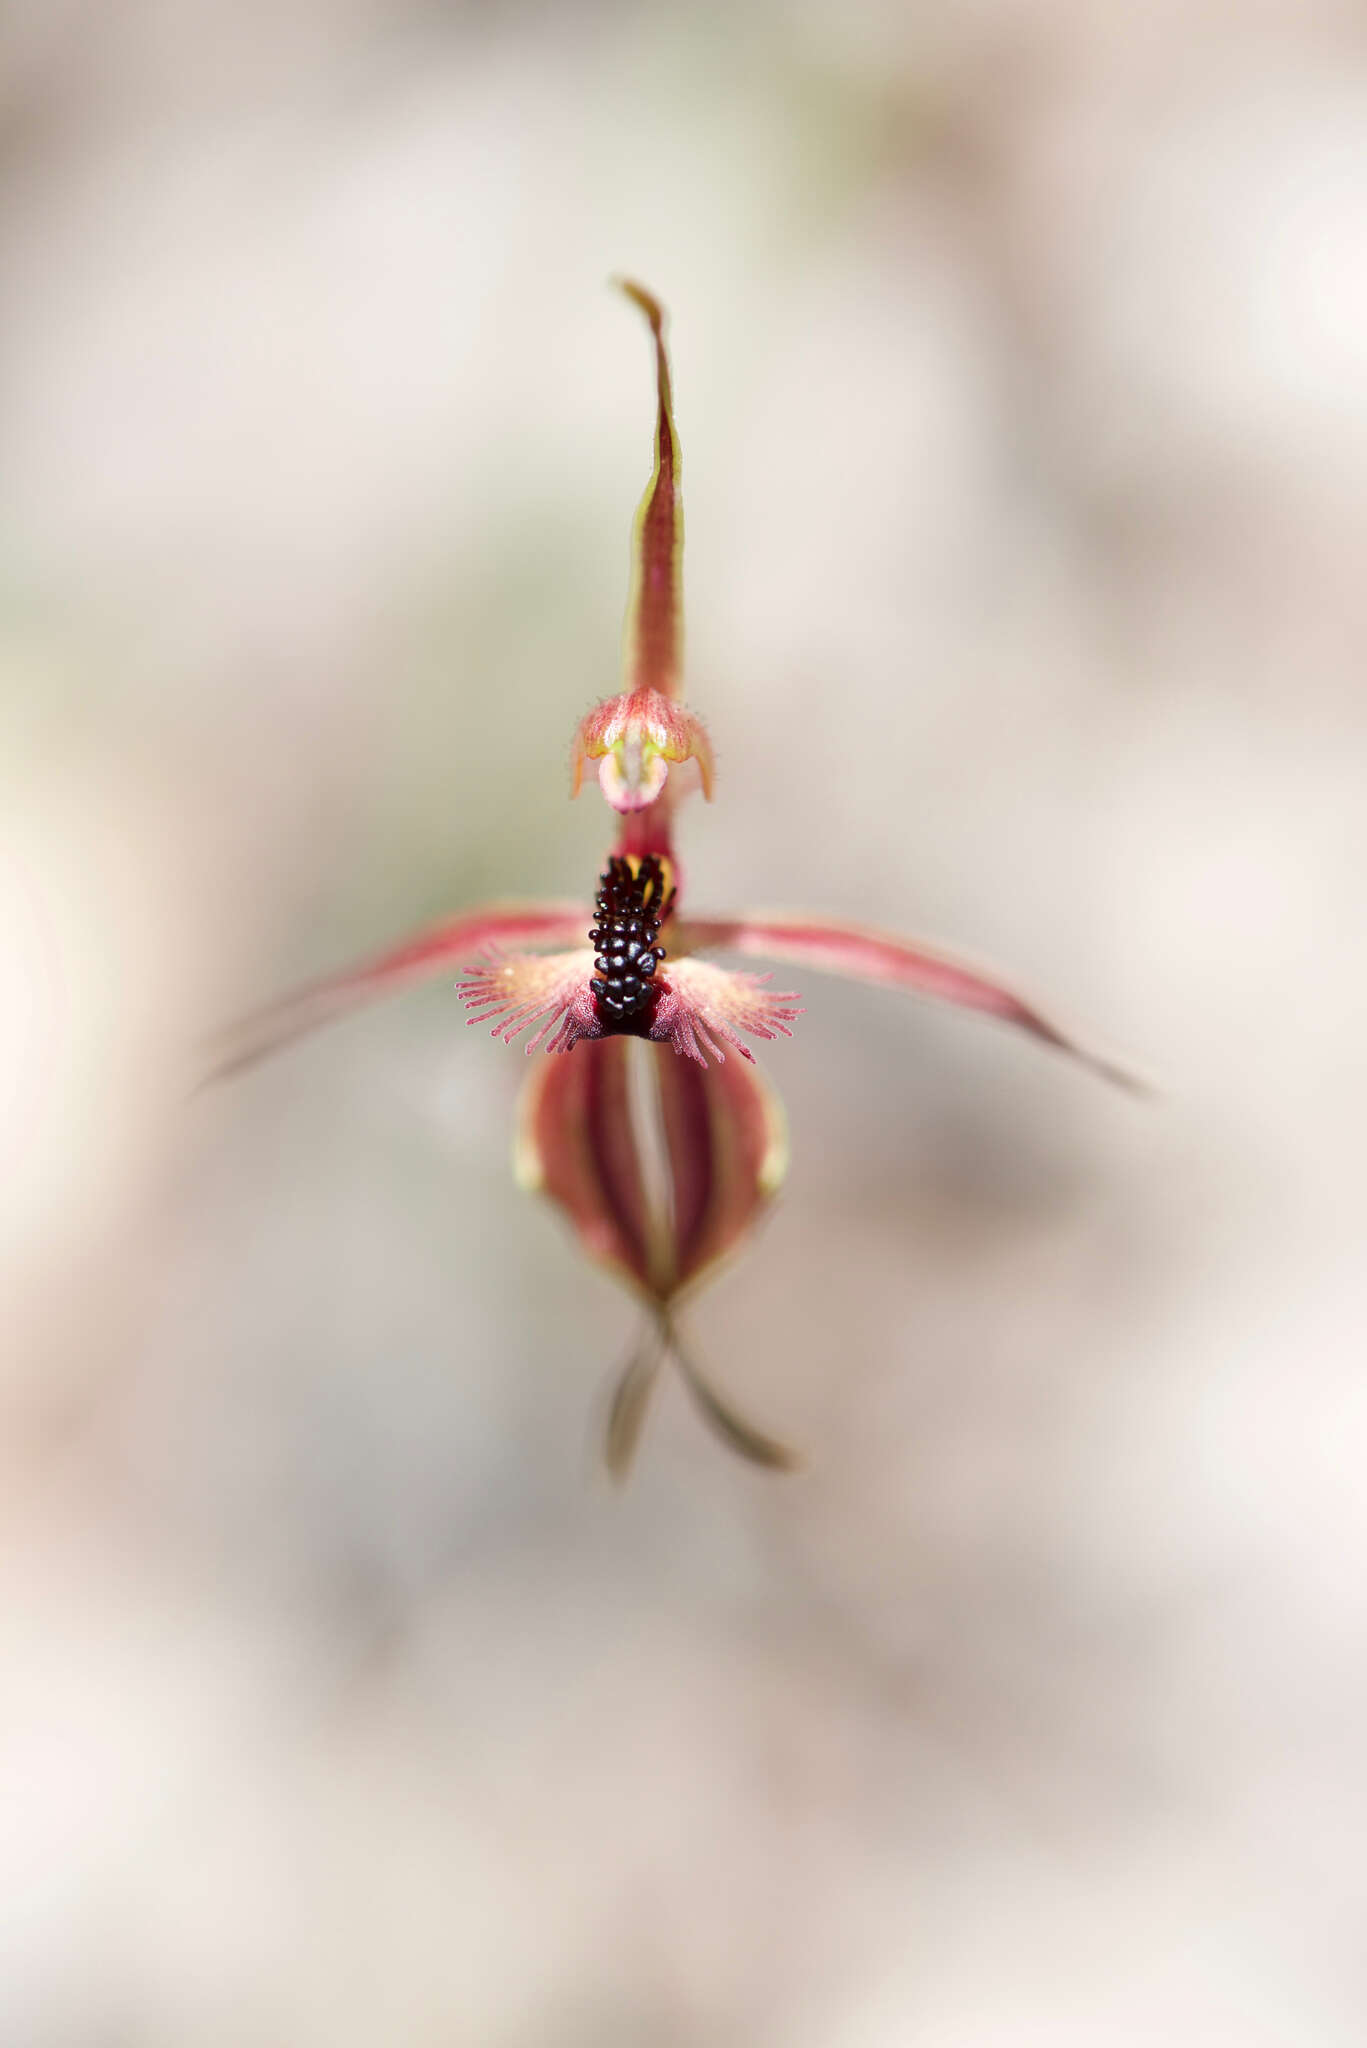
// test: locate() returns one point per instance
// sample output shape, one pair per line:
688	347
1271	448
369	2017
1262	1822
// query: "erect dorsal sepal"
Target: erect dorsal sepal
637	736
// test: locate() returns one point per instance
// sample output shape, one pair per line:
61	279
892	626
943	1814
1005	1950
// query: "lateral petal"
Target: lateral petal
863	954
415	960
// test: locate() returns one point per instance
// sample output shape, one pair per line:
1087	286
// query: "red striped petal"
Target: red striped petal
724	1155
577	1144
727	1146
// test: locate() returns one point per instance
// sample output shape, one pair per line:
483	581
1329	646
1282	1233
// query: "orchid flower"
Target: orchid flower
650	1125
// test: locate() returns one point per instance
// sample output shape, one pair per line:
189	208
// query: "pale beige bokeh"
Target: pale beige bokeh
1021	364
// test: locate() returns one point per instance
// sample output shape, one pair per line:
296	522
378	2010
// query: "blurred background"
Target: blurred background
1021	363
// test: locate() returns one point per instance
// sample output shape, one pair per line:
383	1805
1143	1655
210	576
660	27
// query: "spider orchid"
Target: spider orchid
662	1150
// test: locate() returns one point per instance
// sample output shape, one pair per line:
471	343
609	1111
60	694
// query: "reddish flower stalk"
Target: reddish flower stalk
662	1152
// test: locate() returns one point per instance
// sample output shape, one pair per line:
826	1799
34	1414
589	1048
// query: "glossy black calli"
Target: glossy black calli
633	901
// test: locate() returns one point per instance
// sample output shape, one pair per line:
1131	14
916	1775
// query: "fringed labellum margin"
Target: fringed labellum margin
624	985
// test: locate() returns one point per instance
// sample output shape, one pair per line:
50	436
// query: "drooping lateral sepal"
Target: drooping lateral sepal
631	1397
635	1388
725	1420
